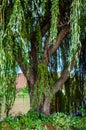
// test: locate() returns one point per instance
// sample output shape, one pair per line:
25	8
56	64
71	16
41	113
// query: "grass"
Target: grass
23	92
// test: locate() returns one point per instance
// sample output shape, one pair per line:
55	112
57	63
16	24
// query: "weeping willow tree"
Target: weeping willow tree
30	35
7	67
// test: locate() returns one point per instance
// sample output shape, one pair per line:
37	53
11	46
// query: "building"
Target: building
21	81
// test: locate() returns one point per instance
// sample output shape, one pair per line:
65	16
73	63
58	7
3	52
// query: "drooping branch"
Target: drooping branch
61	81
72	63
64	76
60	37
46	26
49	51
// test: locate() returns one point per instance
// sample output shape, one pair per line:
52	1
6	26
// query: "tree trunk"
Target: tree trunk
46	106
32	75
31	83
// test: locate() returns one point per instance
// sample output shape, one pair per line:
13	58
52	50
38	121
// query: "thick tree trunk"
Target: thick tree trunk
32	75
46	106
31	83
33	71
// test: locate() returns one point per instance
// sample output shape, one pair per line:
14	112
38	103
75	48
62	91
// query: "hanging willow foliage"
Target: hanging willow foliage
22	30
8	62
43	85
75	30
39	41
38	7
43	4
54	20
5	78
10	81
2	84
16	32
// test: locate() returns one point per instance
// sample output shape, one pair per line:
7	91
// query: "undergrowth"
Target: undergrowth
37	121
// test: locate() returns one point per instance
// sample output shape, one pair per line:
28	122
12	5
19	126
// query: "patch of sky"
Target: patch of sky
59	61
58	65
73	71
18	70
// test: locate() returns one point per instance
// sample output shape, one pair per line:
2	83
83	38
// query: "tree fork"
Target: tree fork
47	53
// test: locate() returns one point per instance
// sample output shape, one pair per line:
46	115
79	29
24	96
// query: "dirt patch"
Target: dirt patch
48	126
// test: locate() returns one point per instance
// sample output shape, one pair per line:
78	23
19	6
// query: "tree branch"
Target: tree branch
61	81
60	37
49	51
65	74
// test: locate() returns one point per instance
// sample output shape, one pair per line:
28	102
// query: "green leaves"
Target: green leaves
38	41
37	121
54	20
75	18
43	85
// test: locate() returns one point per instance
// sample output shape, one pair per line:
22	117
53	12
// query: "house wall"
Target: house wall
21	81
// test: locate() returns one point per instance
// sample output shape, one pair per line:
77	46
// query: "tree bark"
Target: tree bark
31	75
60	37
31	82
47	53
50	50
46	106
61	81
56	87
33	71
